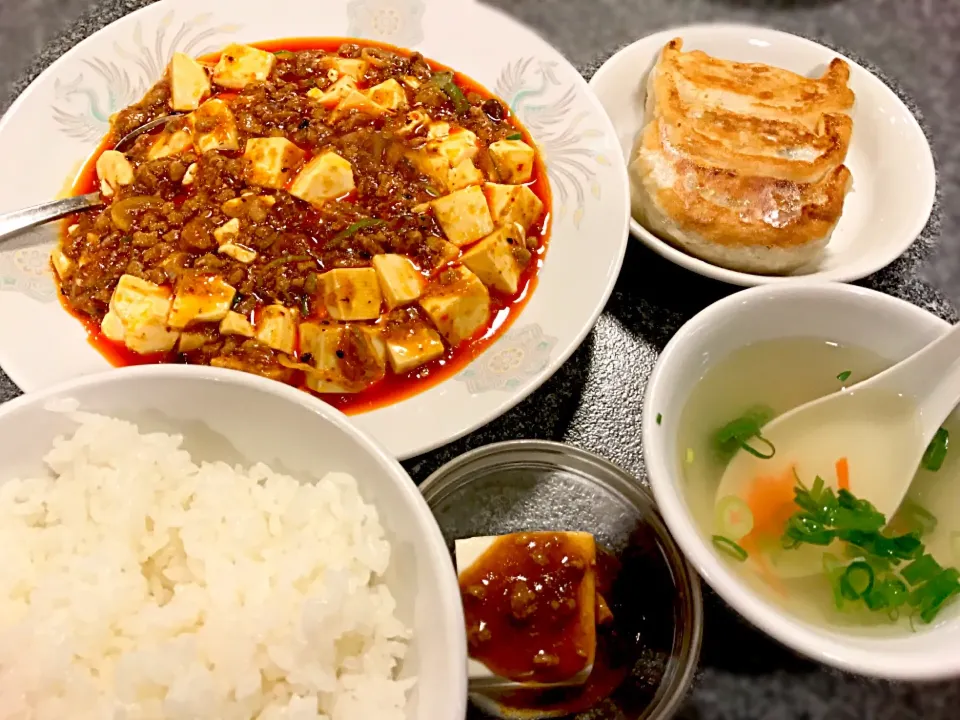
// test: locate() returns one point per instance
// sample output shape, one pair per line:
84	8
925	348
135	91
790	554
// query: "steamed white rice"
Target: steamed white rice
135	583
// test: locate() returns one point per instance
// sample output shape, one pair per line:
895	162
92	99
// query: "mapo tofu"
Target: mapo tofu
347	218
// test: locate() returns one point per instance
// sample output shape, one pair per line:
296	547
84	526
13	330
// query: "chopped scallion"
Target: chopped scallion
444	81
742	433
920	570
936	451
659	418
728	546
877	575
356	227
857	580
734	517
845	375
515	136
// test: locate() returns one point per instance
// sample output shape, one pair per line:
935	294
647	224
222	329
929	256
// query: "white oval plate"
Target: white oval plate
893	174
56	124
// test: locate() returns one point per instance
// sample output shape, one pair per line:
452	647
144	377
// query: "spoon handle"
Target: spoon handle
17	221
932	376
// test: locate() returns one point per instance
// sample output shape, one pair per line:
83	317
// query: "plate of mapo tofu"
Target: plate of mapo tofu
357	219
757	156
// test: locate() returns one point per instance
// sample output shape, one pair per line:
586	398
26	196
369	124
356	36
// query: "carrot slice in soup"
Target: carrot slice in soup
843	474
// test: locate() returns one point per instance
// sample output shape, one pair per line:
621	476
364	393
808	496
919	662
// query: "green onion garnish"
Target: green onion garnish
845	375
283	54
887	571
659	418
857	580
444	81
356	227
515	136
744	433
733	517
728	546
431	191
920	570
936	451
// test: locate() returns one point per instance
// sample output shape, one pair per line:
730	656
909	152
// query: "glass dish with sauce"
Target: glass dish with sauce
543	525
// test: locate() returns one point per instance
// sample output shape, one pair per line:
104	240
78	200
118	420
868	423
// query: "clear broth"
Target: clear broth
781	375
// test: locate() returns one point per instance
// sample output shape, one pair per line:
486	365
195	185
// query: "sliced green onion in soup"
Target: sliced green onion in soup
936	451
857	580
730	548
733	517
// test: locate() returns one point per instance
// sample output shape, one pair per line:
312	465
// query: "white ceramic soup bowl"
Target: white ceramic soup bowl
891	328
239	418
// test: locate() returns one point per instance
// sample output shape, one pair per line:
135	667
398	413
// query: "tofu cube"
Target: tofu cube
439	129
459	145
389	94
354	100
214	127
172	141
400	281
580	631
273	161
433	165
441	252
464	215
189	83
511	204
227	232
277	328
191	341
326	177
448	158
241	65
495	261
240	253
513	160
351	293
347	358
114	171
200	298
458	304
410	346
354	68
335	93
464	175
61	263
138	316
236	324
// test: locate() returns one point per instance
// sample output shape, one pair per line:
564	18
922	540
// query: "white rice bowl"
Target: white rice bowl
135	583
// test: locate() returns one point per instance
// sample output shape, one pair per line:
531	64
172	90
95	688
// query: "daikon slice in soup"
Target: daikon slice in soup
792	524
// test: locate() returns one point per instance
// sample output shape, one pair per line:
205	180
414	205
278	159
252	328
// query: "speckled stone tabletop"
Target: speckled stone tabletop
594	400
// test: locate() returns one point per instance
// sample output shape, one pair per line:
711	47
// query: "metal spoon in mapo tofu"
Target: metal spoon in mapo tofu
348	218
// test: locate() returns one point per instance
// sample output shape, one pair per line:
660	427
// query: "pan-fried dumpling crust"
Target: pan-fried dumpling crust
741	164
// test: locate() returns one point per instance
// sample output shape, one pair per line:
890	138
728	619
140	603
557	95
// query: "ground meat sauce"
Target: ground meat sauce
521	602
161	226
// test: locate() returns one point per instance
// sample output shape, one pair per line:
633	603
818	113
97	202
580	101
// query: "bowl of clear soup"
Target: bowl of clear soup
800	548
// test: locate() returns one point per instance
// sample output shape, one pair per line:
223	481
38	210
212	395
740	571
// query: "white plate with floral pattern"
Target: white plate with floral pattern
57	122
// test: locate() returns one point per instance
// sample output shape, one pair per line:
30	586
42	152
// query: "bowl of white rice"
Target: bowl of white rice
183	542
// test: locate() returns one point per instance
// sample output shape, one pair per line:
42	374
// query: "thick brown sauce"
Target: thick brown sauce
522	601
393	388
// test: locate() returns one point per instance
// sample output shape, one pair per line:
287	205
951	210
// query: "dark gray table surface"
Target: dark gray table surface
594	400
